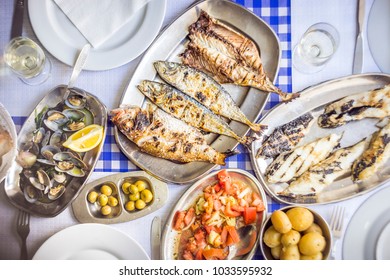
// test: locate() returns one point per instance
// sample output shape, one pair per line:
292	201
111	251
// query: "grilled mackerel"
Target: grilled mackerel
377	154
159	134
368	104
203	89
293	164
187	109
324	173
285	137
227	55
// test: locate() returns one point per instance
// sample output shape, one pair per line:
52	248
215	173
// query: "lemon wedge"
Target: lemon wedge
85	139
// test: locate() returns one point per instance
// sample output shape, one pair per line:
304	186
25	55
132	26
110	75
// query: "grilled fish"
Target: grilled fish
324	173
159	134
188	109
288	166
285	137
204	89
227	55
368	104
374	157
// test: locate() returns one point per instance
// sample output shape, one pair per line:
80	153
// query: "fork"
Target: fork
336	226
23	229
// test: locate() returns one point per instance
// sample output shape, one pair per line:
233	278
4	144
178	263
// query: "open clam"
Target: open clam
32	194
56	191
76	101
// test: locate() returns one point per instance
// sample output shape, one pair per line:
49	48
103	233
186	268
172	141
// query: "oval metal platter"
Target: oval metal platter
313	100
86	212
170	237
167	47
74	185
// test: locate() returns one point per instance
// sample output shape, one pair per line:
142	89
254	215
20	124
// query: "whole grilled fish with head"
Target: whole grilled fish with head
368	104
188	109
285	137
159	134
227	55
321	175
293	164
203	89
377	154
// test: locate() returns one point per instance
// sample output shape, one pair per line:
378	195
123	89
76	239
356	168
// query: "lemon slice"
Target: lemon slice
85	139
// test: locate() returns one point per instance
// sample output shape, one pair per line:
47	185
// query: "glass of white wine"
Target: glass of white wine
316	47
27	60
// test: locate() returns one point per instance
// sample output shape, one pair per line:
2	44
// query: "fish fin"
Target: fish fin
289	97
221	159
258	127
247	140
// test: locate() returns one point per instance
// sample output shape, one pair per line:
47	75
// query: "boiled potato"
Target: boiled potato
140	204
125	187
280	221
105	189
133	189
290	253
92	196
134	196
103	199
317	256
275	252
314	227
301	218
272	237
290	238
106	210
112	201
312	243
146	195
130	206
141	185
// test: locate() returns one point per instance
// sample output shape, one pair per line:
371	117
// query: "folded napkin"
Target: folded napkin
97	20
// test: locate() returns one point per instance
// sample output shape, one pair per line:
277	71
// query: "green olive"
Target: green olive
130	206
103	199
141	185
134	197
105	210
133	189
106	190
112	201
125	187
140	204
92	196
146	195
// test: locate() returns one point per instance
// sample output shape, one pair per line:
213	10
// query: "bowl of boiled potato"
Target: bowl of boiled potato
295	233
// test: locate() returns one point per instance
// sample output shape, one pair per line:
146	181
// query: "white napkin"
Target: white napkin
97	20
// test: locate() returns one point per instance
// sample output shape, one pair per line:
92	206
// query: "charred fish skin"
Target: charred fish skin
325	172
377	154
188	109
285	137
203	89
227	55
369	104
291	165
159	134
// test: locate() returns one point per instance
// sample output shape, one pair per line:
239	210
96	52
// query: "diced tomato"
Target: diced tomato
229	241
249	215
192	246
178	220
260	207
222	175
238	208
224	235
199	235
214	254
205	217
199	255
229	212
190	215
233	234
187	255
217	187
217	204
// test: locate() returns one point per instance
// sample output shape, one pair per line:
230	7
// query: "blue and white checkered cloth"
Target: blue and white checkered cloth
277	15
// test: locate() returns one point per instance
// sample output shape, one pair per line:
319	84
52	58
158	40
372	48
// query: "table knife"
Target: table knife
155	238
17	20
358	58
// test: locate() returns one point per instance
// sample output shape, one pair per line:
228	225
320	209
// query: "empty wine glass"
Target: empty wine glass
27	60
315	48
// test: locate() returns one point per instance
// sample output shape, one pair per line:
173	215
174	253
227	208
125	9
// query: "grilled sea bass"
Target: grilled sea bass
227	55
377	154
290	165
324	173
204	89
159	134
187	109
285	137
368	104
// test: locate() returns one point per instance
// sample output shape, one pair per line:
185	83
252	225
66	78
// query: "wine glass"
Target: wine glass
315	48
27	60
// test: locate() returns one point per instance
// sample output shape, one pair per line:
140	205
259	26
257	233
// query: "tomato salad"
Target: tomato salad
210	226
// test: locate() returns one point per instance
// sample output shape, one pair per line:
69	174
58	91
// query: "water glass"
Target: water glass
316	47
27	60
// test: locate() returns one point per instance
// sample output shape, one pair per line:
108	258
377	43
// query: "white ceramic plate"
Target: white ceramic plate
62	39
378	34
366	227
90	242
383	245
6	124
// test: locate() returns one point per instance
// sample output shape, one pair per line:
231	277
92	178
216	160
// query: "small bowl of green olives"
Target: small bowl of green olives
119	198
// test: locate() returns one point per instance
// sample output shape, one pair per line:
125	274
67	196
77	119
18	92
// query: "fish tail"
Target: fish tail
247	140
222	156
258	127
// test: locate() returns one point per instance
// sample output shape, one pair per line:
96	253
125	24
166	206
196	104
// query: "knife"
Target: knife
17	20
358	59
155	238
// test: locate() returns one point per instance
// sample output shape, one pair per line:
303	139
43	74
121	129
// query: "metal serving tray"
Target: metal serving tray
313	99
12	188
167	47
